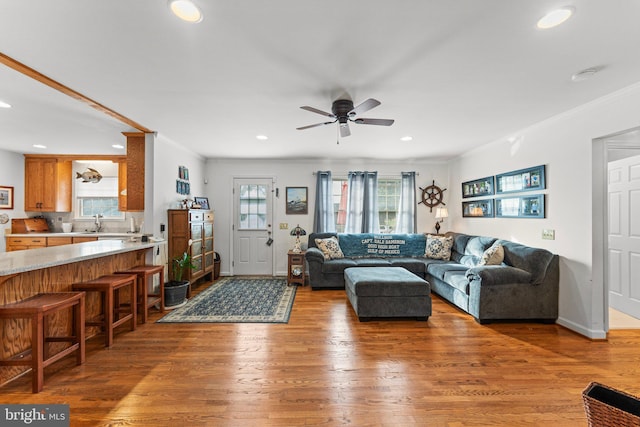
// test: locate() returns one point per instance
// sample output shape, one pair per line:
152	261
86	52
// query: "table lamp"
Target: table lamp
297	231
441	214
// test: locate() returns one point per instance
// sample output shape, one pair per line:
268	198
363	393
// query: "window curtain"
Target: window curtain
323	219
362	203
407	207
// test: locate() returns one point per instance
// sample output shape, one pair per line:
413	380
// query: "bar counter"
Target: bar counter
55	269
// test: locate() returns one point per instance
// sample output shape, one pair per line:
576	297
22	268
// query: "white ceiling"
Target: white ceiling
454	74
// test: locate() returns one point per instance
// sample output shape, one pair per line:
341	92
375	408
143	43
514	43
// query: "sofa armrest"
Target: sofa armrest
490	275
314	254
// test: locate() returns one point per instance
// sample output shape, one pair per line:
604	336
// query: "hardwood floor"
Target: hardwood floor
325	368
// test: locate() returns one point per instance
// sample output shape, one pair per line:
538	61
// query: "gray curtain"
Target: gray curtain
362	203
406	222
323	219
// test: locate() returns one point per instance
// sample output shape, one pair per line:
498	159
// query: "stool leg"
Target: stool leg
134	306
108	318
161	290
142	301
79	331
37	358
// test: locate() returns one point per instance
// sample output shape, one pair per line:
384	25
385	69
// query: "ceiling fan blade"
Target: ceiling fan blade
317	124
315	110
364	106
344	130
379	122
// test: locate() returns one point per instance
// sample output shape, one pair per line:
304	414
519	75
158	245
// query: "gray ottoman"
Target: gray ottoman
387	292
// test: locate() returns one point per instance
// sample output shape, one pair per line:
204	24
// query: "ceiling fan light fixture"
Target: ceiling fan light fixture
555	17
186	10
584	74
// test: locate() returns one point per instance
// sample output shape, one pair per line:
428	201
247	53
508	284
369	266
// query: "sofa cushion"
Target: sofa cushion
439	270
330	248
314	236
337	265
372	262
438	247
457	279
414	265
492	256
362	245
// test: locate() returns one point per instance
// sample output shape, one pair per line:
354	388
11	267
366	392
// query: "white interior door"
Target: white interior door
624	235
253	248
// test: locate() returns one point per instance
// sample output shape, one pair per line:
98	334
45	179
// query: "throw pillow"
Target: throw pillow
330	248
494	255
438	247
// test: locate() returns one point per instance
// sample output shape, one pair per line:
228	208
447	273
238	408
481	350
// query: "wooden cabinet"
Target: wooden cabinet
131	174
296	268
22	243
195	225
47	185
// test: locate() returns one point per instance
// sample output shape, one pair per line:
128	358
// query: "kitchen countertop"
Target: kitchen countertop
76	234
40	258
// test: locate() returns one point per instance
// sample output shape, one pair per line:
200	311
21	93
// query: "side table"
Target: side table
296	268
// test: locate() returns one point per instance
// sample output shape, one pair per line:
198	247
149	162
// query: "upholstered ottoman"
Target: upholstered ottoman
387	292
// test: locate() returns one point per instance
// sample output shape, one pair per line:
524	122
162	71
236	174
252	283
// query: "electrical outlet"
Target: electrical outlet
161	228
284	226
549	234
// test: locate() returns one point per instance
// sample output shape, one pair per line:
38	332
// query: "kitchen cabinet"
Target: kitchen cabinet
47	185
193	225
22	243
131	174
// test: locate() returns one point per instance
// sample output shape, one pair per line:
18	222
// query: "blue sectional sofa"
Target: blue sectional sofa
524	286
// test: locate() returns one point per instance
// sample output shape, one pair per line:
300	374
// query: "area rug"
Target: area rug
238	300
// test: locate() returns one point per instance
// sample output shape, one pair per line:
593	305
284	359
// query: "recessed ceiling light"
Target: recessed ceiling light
4	105
39	146
555	17
584	74
118	146
406	138
186	10
262	137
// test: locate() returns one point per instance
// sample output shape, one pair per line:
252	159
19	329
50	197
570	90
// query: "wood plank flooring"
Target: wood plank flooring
324	368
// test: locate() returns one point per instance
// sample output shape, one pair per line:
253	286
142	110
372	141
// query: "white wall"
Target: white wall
163	165
564	144
299	173
12	175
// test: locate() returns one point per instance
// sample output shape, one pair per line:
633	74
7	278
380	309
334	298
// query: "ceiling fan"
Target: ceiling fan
343	112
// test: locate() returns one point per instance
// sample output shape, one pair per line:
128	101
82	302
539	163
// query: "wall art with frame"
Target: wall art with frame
530	179
521	207
478	187
6	197
297	203
478	209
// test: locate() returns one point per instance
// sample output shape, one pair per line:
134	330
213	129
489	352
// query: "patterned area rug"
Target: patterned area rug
238	300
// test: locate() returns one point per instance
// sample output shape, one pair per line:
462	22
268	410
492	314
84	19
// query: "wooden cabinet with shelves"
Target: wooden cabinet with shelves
47	185
195	225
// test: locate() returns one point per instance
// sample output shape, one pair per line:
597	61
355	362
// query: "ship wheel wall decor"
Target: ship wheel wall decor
432	196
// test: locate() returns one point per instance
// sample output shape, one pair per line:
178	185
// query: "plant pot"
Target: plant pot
175	293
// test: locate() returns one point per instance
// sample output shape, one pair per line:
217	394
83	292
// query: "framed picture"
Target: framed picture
478	209
297	201
6	197
530	179
478	187
521	207
202	201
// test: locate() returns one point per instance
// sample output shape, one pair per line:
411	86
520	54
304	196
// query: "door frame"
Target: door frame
600	221
232	231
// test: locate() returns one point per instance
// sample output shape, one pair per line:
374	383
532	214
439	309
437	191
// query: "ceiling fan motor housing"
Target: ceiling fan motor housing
341	108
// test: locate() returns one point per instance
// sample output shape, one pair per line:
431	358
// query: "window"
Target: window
97	198
388	201
253	207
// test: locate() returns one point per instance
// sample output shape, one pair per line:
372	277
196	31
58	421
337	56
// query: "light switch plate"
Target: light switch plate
284	226
549	234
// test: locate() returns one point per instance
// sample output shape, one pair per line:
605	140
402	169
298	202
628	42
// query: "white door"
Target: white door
253	243
624	235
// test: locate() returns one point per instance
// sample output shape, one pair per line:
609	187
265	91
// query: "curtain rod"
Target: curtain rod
346	173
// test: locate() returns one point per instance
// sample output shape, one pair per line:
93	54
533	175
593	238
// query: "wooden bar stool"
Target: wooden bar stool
112	316
147	298
37	308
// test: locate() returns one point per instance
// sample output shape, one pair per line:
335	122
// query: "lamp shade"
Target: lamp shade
298	231
442	213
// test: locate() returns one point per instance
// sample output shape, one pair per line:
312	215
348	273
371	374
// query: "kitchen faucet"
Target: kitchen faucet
98	225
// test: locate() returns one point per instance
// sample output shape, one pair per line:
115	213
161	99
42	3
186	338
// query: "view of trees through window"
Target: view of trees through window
388	201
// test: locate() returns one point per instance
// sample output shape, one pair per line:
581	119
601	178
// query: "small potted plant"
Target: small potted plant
175	291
